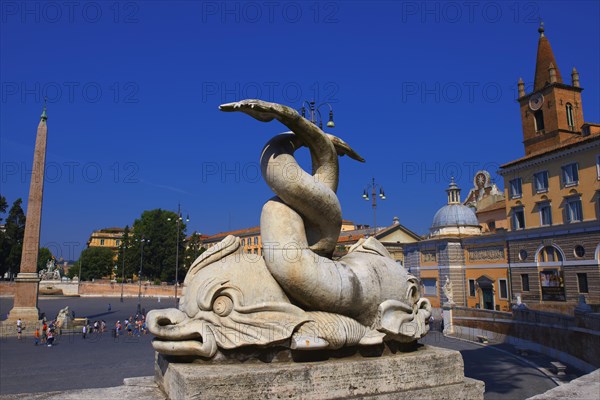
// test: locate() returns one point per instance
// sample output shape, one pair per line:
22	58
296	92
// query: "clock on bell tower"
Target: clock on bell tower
552	112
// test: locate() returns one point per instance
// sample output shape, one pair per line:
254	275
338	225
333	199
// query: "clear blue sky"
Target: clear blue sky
422	90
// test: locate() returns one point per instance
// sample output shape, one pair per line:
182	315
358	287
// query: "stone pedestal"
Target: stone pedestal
26	296
447	318
427	372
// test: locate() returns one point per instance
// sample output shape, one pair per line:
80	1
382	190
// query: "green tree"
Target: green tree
43	256
158	229
3	244
193	249
12	239
126	251
94	263
3	205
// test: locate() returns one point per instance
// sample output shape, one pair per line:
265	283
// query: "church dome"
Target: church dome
454	215
455	218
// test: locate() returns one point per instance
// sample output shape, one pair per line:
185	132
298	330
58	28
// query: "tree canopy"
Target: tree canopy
11	237
43	256
94	263
156	233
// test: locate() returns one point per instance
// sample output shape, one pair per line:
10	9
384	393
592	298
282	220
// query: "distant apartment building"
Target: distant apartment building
392	237
108	238
250	239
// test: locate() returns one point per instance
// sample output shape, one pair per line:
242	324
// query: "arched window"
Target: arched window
539	120
549	254
570	120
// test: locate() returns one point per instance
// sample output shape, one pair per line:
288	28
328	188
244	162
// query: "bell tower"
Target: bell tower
552	113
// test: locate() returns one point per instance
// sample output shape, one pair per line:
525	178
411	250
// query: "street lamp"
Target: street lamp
178	222
314	112
123	273
196	243
139	306
80	265
373	187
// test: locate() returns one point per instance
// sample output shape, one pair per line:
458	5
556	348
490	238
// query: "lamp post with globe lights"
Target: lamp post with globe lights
139	306
178	221
315	114
373	188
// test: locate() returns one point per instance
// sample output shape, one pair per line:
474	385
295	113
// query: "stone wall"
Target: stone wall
571	335
107	289
7	289
585	387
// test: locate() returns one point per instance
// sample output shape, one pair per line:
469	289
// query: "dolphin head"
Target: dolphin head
229	303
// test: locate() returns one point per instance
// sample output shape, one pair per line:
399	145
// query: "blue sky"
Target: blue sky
422	90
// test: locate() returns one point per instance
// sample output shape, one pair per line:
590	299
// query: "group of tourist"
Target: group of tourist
134	326
97	327
46	337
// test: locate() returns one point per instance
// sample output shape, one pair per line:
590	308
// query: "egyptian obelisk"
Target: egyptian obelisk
27	281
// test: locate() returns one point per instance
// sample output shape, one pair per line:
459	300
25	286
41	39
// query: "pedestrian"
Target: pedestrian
138	328
44	332
36	336
109	307
50	338
19	328
118	327
84	330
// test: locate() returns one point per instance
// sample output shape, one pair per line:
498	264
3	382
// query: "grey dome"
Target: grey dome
454	215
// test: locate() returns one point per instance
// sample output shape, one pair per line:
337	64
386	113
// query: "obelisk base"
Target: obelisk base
25	303
428	372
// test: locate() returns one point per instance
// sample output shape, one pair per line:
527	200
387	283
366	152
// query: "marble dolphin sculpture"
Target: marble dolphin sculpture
294	295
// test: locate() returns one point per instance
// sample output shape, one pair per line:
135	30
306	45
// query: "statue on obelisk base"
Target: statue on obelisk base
27	281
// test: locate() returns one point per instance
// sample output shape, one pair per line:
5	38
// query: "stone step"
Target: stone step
427	372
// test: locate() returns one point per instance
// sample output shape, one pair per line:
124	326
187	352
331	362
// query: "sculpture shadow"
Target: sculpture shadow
101	314
251	354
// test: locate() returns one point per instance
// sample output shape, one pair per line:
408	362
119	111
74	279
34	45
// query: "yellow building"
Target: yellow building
552	194
108	238
250	239
540	240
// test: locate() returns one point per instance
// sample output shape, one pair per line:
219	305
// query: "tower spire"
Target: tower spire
545	59
453	192
44	116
